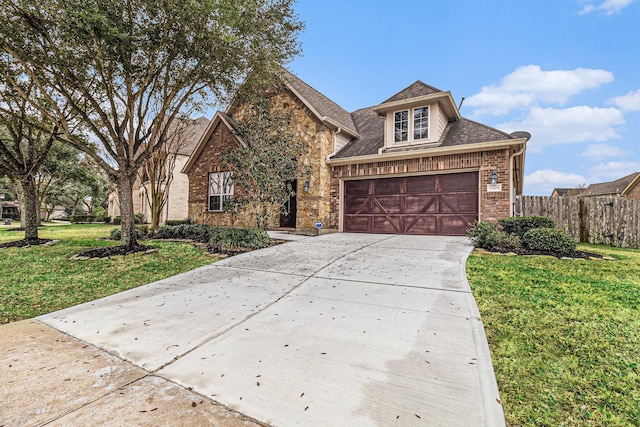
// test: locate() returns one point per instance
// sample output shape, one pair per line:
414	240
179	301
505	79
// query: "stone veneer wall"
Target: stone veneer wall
493	206
312	206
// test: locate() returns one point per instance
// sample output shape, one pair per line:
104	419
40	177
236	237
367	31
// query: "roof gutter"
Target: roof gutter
429	152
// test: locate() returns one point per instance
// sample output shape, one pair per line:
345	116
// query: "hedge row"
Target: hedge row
533	233
219	239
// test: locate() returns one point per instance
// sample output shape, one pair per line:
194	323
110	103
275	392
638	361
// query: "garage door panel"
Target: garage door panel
387	204
455	225
386	224
357	187
358	204
420	184
429	204
357	224
460	203
421	225
387	186
421	204
458	182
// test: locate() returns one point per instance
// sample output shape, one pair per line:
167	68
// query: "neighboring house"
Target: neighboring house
627	186
410	165
177	202
563	192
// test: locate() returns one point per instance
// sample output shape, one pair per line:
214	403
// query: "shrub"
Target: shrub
520	225
227	240
81	219
138	218
487	236
198	232
178	221
483	234
107	219
141	232
551	240
117	220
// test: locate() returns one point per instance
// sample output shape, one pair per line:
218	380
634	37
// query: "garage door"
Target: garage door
430	204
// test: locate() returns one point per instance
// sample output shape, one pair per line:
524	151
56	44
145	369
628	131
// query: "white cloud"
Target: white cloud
549	126
543	181
602	151
530	85
610	171
628	102
609	7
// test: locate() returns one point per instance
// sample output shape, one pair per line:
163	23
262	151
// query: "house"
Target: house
564	192
180	146
627	186
409	165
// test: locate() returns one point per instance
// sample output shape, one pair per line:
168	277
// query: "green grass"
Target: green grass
564	336
42	279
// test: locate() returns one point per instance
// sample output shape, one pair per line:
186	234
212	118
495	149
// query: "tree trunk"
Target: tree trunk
31	211
125	195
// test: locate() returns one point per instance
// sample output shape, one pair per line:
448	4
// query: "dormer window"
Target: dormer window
421	123
401	125
418	121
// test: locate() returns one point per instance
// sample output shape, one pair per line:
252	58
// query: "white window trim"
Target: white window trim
411	129
223	191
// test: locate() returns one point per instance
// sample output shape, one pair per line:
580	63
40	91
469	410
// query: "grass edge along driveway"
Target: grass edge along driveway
564	336
41	279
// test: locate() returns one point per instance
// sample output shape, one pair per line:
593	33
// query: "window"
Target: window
220	190
401	125
418	121
421	123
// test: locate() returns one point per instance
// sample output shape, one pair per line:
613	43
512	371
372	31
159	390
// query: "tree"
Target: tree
25	141
265	163
157	173
70	178
129	68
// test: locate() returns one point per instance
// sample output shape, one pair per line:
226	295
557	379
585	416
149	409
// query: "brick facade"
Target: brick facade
312	206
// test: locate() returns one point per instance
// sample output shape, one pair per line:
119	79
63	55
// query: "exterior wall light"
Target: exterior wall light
493	179
305	187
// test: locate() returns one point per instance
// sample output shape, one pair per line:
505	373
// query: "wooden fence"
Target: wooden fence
598	220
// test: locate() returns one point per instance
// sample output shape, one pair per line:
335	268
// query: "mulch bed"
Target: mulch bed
111	251
24	243
575	255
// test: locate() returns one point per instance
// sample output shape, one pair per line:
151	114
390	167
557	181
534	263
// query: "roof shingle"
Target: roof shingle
613	187
323	105
414	90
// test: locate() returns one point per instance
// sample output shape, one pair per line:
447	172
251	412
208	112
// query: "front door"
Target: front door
289	220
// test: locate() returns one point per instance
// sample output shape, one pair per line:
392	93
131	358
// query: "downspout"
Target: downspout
512	196
334	151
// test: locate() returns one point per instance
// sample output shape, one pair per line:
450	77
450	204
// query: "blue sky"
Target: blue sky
567	71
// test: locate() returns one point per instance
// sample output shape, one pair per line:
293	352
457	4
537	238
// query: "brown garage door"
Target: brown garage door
430	204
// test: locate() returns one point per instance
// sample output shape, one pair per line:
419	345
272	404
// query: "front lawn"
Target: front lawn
564	336
41	279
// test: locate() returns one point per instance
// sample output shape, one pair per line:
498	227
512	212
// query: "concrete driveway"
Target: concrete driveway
335	330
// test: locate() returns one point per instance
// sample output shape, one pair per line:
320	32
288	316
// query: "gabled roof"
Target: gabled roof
618	187
457	133
325	109
191	135
560	192
219	117
414	90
